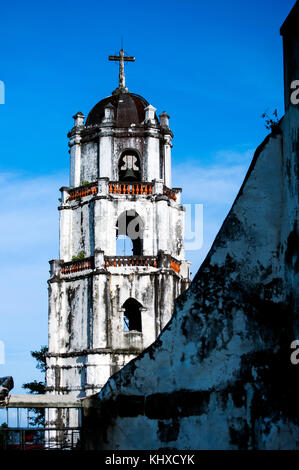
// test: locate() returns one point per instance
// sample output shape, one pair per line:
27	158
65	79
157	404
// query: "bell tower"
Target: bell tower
121	256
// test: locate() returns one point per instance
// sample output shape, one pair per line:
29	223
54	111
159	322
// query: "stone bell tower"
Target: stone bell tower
121	263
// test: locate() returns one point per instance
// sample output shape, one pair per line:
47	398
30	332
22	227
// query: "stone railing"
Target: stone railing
83	191
169	193
117	187
159	261
103	187
115	261
174	265
77	265
100	261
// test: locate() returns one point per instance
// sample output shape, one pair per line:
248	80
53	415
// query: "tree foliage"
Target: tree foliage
38	387
271	123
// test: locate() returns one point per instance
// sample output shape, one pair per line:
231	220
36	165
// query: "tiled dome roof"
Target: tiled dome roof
128	109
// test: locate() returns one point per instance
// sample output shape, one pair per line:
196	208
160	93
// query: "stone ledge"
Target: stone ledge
42	401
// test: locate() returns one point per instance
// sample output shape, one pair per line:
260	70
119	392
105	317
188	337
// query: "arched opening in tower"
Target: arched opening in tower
129	166
124	246
132	315
129	226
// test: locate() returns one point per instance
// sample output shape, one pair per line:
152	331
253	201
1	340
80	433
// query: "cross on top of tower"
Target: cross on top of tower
122	80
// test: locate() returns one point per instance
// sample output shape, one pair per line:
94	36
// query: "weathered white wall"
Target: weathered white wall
105	154
65	234
152	157
91	225
86	311
89	162
167	160
75	161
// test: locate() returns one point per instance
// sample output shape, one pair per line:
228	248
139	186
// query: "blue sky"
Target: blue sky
215	67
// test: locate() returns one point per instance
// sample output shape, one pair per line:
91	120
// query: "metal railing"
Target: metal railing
47	438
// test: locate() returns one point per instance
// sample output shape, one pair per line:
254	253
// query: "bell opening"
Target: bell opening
129	166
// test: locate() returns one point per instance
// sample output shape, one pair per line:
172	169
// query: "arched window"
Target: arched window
129	166
132	315
129	224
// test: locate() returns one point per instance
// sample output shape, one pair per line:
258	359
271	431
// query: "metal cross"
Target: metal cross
121	58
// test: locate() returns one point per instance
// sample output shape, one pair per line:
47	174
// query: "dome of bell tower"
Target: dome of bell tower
122	139
129	108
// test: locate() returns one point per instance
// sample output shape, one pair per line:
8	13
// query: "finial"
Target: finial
122	80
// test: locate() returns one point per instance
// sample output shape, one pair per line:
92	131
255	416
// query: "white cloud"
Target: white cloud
29	215
215	183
